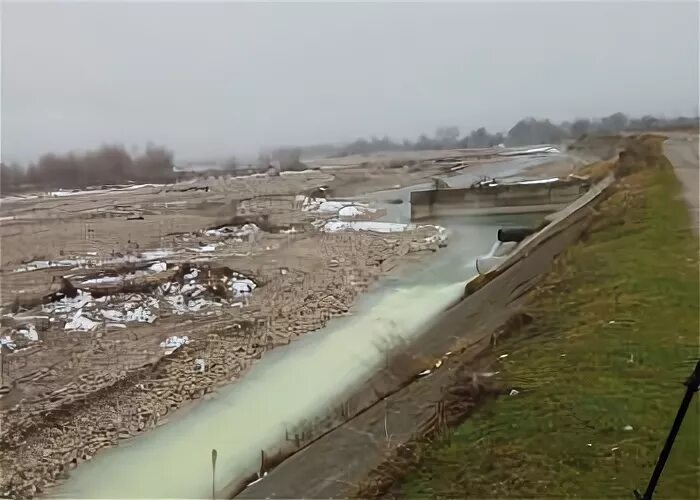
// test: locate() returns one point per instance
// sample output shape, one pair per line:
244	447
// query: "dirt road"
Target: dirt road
682	152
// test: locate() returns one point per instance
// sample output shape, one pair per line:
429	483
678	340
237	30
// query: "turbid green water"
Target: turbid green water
291	383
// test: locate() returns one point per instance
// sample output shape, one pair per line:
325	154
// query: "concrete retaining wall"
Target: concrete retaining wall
503	198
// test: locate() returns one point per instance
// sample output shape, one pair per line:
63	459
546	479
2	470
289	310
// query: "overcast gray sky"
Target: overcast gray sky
208	80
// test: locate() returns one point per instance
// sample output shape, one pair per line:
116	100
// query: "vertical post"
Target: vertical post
213	473
692	385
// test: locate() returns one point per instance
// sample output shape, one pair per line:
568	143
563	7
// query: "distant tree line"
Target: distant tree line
113	165
525	132
106	165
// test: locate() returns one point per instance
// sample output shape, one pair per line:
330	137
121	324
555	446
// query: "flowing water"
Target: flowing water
293	382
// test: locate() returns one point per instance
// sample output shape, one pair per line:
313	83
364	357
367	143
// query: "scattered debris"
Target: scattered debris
6	341
628	428
172	344
29	332
158	267
514	392
246	231
260	478
81	323
502	356
83	312
355	211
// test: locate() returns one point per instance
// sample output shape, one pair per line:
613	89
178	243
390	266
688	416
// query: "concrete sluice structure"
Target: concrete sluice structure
491	198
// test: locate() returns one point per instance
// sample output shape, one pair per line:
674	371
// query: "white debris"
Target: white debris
67	304
355	211
235	231
112	315
502	356
425	372
513	392
241	286
173	343
376	226
141	314
192	274
158	267
628	428
156	254
331	206
44	264
205	248
539	181
440	237
104	279
312	204
8	342
260	478
81	323
531	150
172	287
249	229
29	332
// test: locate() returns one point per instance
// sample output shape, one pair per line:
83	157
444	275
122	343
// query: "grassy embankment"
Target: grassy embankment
598	372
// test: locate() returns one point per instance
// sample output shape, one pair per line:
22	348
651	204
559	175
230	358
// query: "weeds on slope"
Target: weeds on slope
598	373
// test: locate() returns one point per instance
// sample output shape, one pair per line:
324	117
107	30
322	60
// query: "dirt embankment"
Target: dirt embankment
597	373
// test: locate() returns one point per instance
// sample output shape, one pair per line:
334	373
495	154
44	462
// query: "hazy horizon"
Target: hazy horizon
212	80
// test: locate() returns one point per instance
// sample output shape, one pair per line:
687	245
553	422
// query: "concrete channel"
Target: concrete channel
299	392
333	465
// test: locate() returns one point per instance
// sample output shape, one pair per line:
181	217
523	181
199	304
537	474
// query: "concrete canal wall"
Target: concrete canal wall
499	198
340	448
